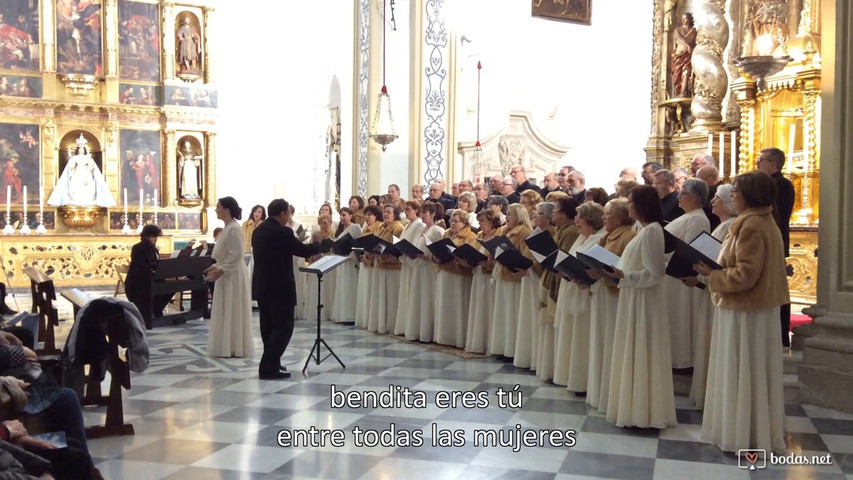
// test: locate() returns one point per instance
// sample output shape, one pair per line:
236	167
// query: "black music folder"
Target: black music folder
678	268
470	255
541	244
570	266
599	258
384	247
442	250
512	259
550	261
366	242
408	249
343	245
326	245
496	242
704	248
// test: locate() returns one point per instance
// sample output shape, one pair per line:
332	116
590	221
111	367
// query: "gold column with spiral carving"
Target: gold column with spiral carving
711	81
744	89
209	76
210	168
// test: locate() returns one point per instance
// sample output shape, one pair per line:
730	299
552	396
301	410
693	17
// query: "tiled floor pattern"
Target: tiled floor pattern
203	418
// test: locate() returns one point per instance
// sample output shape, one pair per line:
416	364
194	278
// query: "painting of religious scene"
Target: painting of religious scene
33	219
202	96
132	94
165	220
188	45
140	165
139	41
575	11
19	152
20	86
189	221
78	37
19	35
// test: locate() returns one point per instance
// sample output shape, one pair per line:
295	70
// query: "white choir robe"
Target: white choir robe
420	311
527	322
346	284
602	323
410	233
480	305
504	315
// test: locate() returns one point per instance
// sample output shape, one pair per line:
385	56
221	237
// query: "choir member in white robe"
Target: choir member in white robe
346	284
572	349
527	324
482	288
508	287
420	312
723	207
605	299
324	231
299	278
385	286
453	287
411	232
372	222
641	391
744	403
683	304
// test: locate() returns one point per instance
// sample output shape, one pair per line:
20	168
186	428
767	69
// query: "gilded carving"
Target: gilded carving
711	81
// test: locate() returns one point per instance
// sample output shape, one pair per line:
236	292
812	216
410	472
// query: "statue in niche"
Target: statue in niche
768	26
189	48
81	183
682	71
189	171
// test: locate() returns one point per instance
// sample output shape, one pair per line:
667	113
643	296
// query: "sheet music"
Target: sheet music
499	251
535	232
327	261
538	256
602	255
428	241
707	245
561	255
394	239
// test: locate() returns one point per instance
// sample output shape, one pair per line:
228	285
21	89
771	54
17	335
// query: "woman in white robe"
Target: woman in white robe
231	315
453	287
372	222
508	287
420	312
346	280
572	351
527	323
683	307
324	231
744	403
605	299
641	391
408	288
385	284
299	278
482	288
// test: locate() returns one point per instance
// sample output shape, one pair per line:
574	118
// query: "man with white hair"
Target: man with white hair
664	183
629	173
466	186
394	191
649	169
508	190
680	177
551	184
454	189
577	185
495	183
700	160
520	176
448	200
711	176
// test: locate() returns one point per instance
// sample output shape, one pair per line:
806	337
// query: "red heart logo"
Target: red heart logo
752	457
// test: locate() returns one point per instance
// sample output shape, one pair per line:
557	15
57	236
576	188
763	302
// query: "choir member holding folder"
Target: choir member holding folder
683	307
565	232
346	280
571	353
540	244
481	304
453	286
744	404
641	392
372	216
420	312
322	234
408	288
508	287
543	351
385	285
605	299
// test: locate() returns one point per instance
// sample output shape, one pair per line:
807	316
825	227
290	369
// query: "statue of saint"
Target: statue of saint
189	172
81	183
682	71
189	47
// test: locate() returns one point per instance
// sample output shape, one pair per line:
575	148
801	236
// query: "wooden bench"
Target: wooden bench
118	368
44	294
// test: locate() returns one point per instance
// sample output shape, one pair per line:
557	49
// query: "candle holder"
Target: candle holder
8	229
139	228
41	230
25	228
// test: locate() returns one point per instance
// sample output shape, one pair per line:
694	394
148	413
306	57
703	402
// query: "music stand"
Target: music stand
320	268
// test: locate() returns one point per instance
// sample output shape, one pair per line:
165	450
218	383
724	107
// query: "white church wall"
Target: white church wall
394	162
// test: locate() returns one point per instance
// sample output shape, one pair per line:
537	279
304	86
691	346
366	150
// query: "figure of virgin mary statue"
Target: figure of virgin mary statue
81	183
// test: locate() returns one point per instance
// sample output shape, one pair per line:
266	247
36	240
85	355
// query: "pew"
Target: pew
118	368
44	294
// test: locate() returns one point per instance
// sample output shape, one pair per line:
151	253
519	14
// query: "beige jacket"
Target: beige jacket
753	260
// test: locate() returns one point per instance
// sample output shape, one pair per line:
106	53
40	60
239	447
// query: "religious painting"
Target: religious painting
166	221
133	94
140	166
189	221
19	152
79	37
575	11
20	86
202	96
19	35
188	44
139	41
33	219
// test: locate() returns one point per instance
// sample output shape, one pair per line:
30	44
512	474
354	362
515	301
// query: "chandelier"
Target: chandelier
382	130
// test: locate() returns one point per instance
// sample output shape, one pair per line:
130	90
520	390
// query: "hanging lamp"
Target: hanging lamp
382	130
479	166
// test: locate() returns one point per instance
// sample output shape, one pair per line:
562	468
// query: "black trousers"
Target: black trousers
276	319
785	319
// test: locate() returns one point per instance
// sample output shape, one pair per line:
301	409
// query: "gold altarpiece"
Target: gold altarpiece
134	78
783	112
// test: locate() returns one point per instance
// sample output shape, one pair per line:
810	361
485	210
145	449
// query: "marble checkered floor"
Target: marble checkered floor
204	418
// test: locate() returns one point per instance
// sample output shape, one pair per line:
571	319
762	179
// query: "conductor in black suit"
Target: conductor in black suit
273	245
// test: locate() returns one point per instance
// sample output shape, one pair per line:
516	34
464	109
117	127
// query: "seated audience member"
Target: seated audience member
744	403
4	309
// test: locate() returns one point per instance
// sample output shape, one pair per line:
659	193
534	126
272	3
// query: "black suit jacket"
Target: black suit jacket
143	264
513	198
670	208
273	247
783	208
712	219
580	196
525	186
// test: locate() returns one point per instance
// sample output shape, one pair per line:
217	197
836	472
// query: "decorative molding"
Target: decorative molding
656	61
362	95
436	90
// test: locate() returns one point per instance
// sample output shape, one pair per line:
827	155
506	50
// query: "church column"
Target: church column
48	52
826	374
711	81
168	29
744	90
210	170
361	95
111	39
209	76
170	186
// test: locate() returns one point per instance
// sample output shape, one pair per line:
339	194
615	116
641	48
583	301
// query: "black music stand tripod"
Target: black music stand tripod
320	268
